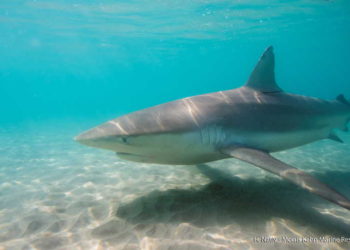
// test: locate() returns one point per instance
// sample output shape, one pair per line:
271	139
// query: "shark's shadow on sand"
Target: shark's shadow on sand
228	199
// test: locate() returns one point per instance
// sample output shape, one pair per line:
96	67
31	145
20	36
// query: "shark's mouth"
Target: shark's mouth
123	153
132	157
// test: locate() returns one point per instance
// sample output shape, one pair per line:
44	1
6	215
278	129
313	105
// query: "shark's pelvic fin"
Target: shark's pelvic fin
263	76
334	137
265	161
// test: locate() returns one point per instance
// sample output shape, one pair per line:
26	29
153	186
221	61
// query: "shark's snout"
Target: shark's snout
107	130
90	137
106	136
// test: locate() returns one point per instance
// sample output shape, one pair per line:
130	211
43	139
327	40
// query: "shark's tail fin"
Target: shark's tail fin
341	98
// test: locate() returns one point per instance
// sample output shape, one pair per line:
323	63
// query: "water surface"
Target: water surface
67	66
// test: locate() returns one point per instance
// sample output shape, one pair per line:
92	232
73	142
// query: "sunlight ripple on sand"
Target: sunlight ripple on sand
65	196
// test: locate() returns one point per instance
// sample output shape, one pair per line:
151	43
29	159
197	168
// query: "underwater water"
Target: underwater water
67	66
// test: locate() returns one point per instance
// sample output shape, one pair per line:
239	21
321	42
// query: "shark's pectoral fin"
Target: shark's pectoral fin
265	161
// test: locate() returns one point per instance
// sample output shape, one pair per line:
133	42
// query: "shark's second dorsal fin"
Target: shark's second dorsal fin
341	98
263	76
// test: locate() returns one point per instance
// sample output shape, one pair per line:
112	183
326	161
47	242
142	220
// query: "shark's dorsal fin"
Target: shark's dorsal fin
263	76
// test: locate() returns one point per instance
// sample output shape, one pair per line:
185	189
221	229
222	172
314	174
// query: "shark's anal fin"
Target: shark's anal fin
265	161
263	76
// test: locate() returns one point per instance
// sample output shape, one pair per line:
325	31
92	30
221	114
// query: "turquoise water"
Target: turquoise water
69	65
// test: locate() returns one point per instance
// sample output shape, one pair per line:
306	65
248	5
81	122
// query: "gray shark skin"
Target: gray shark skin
247	123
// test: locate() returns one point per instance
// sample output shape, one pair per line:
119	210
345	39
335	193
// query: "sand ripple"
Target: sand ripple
55	194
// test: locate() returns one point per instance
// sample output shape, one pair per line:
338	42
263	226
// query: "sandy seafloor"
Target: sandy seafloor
57	194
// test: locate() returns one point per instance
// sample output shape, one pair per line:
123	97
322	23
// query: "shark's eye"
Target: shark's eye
124	140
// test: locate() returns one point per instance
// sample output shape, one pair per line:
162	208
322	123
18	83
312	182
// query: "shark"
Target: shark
247	123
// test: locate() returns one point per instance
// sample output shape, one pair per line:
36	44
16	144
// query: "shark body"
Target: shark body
247	123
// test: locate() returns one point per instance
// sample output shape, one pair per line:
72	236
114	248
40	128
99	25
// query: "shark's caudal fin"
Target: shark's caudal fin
263	76
265	161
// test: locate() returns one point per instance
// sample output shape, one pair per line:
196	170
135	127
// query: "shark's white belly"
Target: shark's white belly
278	141
204	145
177	148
